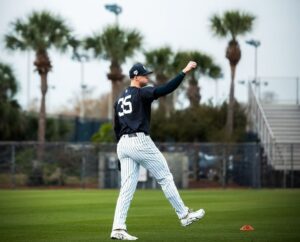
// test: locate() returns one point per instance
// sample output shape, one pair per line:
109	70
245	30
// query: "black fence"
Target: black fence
88	165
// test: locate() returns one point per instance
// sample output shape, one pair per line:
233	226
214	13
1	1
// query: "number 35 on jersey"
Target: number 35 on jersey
125	105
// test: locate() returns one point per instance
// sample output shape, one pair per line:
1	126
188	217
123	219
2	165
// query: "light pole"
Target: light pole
81	58
28	78
115	9
255	44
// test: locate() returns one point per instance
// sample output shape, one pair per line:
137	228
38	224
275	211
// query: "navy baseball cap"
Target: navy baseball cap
138	70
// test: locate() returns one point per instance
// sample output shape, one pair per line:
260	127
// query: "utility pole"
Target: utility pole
255	44
81	58
115	9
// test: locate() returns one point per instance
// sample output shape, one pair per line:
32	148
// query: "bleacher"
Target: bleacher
278	127
284	120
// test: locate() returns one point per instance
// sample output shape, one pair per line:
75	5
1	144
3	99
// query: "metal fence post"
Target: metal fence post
258	161
83	166
101	170
297	90
284	173
292	165
13	167
224	166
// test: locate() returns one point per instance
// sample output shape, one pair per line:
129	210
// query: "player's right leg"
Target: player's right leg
129	179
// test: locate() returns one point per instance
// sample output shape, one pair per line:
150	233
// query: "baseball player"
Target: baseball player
135	147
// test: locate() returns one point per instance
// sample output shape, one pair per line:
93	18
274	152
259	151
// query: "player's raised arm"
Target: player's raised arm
171	85
190	66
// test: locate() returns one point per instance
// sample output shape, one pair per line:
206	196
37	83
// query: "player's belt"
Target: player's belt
134	134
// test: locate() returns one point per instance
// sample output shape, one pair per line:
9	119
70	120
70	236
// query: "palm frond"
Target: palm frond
238	23
232	23
217	26
160	60
94	44
215	71
40	31
118	44
8	82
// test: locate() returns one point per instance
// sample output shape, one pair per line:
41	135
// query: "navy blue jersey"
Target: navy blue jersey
133	106
133	110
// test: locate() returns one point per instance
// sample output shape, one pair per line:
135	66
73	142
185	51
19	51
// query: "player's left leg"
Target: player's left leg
152	159
156	163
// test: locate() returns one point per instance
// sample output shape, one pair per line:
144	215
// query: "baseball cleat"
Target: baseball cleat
192	217
122	235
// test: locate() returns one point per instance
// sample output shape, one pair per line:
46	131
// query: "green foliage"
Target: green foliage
24	126
232	23
206	65
114	44
8	83
58	129
204	123
11	122
160	61
40	31
104	134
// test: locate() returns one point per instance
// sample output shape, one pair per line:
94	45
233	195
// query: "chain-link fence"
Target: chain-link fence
88	165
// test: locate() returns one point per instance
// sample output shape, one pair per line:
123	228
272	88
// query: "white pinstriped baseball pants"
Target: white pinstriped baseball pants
136	151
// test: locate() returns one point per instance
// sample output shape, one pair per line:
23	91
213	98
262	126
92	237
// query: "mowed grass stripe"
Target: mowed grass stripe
86	215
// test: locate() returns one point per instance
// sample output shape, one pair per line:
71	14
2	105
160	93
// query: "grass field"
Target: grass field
86	215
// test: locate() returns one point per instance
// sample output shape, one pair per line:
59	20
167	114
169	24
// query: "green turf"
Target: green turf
86	215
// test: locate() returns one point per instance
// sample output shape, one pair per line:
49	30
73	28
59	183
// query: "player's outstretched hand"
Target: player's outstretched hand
190	66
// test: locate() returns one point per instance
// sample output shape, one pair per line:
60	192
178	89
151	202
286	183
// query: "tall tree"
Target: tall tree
40	32
115	45
206	67
11	122
232	24
161	62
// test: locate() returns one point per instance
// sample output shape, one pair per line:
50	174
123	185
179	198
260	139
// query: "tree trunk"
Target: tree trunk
116	78
193	93
42	114
116	87
43	66
233	54
42	118
230	110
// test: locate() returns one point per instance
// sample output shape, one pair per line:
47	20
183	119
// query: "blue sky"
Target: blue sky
183	25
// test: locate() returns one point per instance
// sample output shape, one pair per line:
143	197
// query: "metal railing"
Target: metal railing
260	124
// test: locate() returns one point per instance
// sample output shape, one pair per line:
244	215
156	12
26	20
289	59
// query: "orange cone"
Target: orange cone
246	227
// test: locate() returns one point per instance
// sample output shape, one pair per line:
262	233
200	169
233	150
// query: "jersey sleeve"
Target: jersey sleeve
117	127
147	93
169	87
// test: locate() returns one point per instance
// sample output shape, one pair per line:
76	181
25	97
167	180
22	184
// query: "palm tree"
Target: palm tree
161	62
11	123
8	83
206	67
116	45
232	24
40	32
